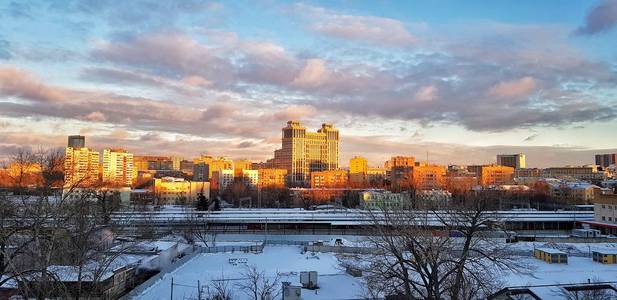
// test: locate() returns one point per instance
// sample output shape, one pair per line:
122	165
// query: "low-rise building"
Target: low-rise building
429	177
379	199
586	173
172	190
329	179
496	175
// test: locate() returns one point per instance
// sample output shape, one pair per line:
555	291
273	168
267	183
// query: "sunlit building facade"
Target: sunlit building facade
81	167
429	177
170	190
399	161
516	161
496	175
304	152
329	179
273	178
118	167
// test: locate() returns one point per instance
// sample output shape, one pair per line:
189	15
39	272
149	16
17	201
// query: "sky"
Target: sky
451	82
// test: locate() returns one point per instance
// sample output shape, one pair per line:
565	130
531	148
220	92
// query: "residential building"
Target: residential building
272	178
572	192
429	177
151	162
240	165
358	165
220	164
401	178
605	160
496	175
527	172
224	178
459	183
118	167
379	199
375	177
303	152
81	167
201	171
77	141
605	208
399	161
516	161
170	190
250	177
187	167
585	173
329	179
175	162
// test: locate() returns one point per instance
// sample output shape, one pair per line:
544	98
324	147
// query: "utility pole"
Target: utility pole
171	297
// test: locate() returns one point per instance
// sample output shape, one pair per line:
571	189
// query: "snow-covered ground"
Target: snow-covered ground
288	261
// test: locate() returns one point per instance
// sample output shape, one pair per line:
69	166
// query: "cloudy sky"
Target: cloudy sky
457	81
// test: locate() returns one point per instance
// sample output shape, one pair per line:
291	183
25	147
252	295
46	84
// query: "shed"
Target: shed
605	256
551	256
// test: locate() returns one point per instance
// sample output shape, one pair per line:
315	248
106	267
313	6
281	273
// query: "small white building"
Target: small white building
374	199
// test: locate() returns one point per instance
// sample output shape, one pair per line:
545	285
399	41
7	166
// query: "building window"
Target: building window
603	218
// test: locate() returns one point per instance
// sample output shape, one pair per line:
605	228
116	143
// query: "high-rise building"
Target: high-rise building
304	152
224	178
175	162
605	160
429	177
201	171
516	161
77	141
240	165
250	177
117	167
81	167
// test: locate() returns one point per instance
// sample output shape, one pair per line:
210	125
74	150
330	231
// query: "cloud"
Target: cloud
531	137
365	29
426	93
96	116
514	88
601	18
313	74
19	83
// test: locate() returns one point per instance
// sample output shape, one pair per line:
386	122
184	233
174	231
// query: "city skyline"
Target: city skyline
463	83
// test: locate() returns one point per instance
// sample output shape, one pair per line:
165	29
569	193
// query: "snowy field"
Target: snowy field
288	262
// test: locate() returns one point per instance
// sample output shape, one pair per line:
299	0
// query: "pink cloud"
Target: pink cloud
15	82
514	88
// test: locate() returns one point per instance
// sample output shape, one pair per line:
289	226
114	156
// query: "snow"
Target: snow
577	270
287	261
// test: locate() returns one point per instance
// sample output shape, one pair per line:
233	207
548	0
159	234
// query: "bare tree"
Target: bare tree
220	289
431	254
257	286
196	228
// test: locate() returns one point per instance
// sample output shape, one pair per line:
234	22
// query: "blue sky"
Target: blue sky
463	80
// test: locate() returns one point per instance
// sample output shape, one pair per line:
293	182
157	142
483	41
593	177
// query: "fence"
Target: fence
154	279
245	249
339	249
